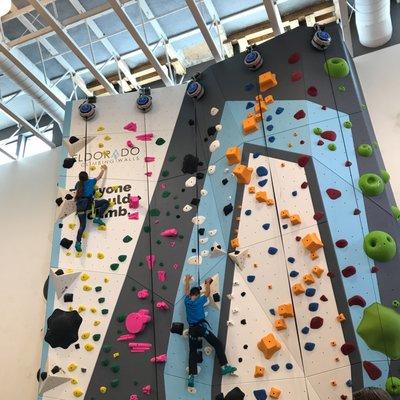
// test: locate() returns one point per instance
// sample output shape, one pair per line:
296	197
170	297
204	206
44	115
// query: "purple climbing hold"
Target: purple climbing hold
272	250
261	171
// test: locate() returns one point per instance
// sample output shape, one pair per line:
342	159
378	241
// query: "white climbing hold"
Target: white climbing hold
214	111
218	127
203	192
235	311
216	250
211	169
239	258
195	260
212	232
205	253
214	146
207	350
198	220
229	296
187	208
191	182
203	240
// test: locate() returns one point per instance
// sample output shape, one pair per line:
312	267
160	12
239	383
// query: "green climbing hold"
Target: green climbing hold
365	150
176	206
105	362
119	331
158	241
141	263
127	239
336	67
97	288
385	176
115	368
122	258
371	184
347	124
317	131
393	385
165	173
107	348
133	288
171	158
121	318
96	337
114	383
160	141
114	266
165	194
164	287
146	229
396	212
379	328
161	264
379	246
180	236
154	212
342	88
332	146
104	311
101	300
396	303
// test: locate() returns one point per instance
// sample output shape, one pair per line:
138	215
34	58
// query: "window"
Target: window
33	145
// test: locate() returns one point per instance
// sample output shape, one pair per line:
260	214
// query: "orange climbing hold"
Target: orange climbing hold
270	202
275	393
295	219
285	310
267	80
262	197
259	371
268	345
243	173
318	271
249	124
260	107
341	317
280	324
312	242
252	189
308	279
284	214
269	99
258	117
235	243
297	289
314	255
233	155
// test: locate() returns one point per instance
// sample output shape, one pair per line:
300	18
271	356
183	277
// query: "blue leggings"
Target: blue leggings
82	206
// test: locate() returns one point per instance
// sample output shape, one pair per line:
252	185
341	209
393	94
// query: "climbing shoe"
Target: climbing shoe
190	381
98	221
227	369
78	247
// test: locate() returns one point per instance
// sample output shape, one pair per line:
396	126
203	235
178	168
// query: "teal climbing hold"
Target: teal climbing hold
127	239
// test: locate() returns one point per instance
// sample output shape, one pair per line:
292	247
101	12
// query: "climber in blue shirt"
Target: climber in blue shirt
199	328
85	189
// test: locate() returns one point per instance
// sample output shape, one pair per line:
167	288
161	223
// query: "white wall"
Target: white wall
380	80
27	193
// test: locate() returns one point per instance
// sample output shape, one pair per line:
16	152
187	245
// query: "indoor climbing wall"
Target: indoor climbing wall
272	184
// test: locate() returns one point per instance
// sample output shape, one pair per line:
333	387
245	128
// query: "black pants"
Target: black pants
82	206
196	333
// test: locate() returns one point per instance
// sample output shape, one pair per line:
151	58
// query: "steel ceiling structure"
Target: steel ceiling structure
71	49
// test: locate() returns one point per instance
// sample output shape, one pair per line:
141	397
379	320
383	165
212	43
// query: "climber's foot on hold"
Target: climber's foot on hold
98	221
190	384
78	247
228	369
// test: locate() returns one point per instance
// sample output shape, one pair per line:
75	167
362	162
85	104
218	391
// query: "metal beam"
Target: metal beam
23	122
274	17
49	19
140	42
204	30
6	153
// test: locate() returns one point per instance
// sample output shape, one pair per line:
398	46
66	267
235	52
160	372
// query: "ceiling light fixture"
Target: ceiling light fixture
5	7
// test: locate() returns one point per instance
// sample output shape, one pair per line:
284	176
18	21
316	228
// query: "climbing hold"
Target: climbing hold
275	367
347	348
371	184
289	366
321	39
144	101
332	147
296	76
267	80
127	239
313	307
302	161
393	386
66	243
380	246
259	371
385	176
272	250
312	91
293	274
372	370
87	110
89	347
268	345
309	346
336	67
72	367
357	300
103	389
329	135
261	171
305	330
68	163
260	394
285	310
316	323
341	243
365	150
294	58
310	292
243	173
349	271
233	155
299	115
333	193
274	393
77	392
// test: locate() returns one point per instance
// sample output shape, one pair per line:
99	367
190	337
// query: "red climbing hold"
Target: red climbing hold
316	322
302	161
299	115
296	76
312	91
333	193
356	211
374	269
323	298
349	271
302	142
372	370
347	348
294	58
329	135
357	300
331	274
343	397
341	243
348	164
320	142
318	215
298	238
304	185
323	108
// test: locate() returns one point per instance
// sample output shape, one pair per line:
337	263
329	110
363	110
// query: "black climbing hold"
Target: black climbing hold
191	122
69	163
243	322
195	202
228	209
73	139
68	197
59	201
56	369
68	297
199	175
224	181
243	294
216	297
201	231
190	164
211	131
66	243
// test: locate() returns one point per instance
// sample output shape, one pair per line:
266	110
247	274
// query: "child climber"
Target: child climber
371	393
84	202
199	328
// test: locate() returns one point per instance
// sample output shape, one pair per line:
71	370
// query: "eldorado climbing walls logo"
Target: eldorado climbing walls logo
119	155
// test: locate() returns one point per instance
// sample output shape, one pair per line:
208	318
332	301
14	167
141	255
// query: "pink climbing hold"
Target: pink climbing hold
139	347
146	389
131	126
333	193
312	91
148	173
329	135
162	305
316	322
175	266
143	294
171	232
145	137
302	161
299	115
372	370
135	322
162	276
134	201
341	243
148	159
134	215
296	76
129	143
294	58
347	348
357	300
162	358
133	397
349	271
150	260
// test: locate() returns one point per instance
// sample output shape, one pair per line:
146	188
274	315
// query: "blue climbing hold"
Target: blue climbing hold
260	394
349	383
289	366
272	311
313	306
250	278
275	367
309	346
249	105
266	226
293	274
294	193
279	110
261	171
263	182
271	139
291	260
248	87
248	212
272	250
305	330
285	226
310	292
269	128
256	155
269	118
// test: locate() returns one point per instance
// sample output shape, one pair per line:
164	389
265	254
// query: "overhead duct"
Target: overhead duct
27	76
373	22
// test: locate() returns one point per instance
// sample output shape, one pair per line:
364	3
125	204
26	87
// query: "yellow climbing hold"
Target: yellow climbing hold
74	381
96	323
89	347
106	280
101	128
85	276
72	367
116	355
100	255
71	226
85	335
77	393
111	204
103	389
87	288
101	145
70	308
81	308
92	167
89	255
102	228
69	271
85	235
68	253
93	310
78	254
107	137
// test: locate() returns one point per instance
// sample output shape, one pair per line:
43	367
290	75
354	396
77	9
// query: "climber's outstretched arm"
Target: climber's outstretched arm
102	172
